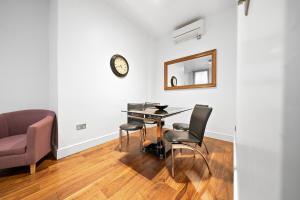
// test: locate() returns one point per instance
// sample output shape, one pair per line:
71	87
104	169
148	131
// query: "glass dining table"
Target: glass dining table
155	115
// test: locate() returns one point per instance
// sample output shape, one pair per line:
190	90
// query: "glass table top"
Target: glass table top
154	112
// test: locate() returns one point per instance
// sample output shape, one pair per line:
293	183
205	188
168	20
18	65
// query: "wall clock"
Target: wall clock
119	65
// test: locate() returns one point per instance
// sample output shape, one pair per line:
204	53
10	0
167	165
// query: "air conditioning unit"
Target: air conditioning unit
190	31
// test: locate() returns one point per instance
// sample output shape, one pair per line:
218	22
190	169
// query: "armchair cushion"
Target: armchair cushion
13	145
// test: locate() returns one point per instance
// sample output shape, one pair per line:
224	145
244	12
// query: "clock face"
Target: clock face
119	65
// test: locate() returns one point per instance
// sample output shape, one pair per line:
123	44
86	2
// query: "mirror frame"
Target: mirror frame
212	53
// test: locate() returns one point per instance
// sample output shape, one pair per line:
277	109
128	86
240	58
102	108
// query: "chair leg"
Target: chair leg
32	168
127	136
120	139
205	147
145	130
141	140
204	160
186	146
173	163
165	151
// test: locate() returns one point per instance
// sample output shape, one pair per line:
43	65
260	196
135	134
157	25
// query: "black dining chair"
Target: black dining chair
185	127
133	124
150	105
195	134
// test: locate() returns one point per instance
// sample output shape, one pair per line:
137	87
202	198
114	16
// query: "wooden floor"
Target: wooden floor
103	172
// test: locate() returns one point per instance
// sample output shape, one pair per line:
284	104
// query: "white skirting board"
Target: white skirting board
75	148
219	136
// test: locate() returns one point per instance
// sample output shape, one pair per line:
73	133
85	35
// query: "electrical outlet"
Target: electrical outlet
80	126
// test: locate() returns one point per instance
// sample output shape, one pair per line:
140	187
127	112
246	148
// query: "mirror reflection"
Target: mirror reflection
193	71
190	72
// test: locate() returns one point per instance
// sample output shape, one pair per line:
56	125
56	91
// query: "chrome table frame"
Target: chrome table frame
156	118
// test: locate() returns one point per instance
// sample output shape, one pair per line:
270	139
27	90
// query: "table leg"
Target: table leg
159	131
159	139
157	148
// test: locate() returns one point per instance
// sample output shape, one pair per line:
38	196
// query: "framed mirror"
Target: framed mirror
195	71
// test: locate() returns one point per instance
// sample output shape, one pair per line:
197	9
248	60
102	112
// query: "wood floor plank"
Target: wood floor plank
102	172
88	193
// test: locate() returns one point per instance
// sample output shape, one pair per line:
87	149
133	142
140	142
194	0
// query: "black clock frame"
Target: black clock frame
113	67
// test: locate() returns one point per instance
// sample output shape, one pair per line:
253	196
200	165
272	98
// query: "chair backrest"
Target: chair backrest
202	105
3	127
150	104
134	106
199	118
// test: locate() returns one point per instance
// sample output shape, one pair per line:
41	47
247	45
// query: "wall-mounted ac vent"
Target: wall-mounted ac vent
190	31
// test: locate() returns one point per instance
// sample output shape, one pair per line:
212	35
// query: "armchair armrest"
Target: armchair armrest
39	139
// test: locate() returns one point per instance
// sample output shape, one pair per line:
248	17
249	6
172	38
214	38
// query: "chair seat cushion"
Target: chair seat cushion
181	126
13	145
180	136
131	126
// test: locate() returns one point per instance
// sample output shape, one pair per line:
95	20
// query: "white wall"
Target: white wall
53	40
220	35
268	110
291	137
23	54
57	53
89	33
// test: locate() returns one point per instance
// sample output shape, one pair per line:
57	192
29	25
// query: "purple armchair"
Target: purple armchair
25	137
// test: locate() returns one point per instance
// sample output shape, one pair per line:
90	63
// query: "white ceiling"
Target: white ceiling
160	17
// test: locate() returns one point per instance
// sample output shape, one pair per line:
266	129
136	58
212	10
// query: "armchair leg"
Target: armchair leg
32	168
